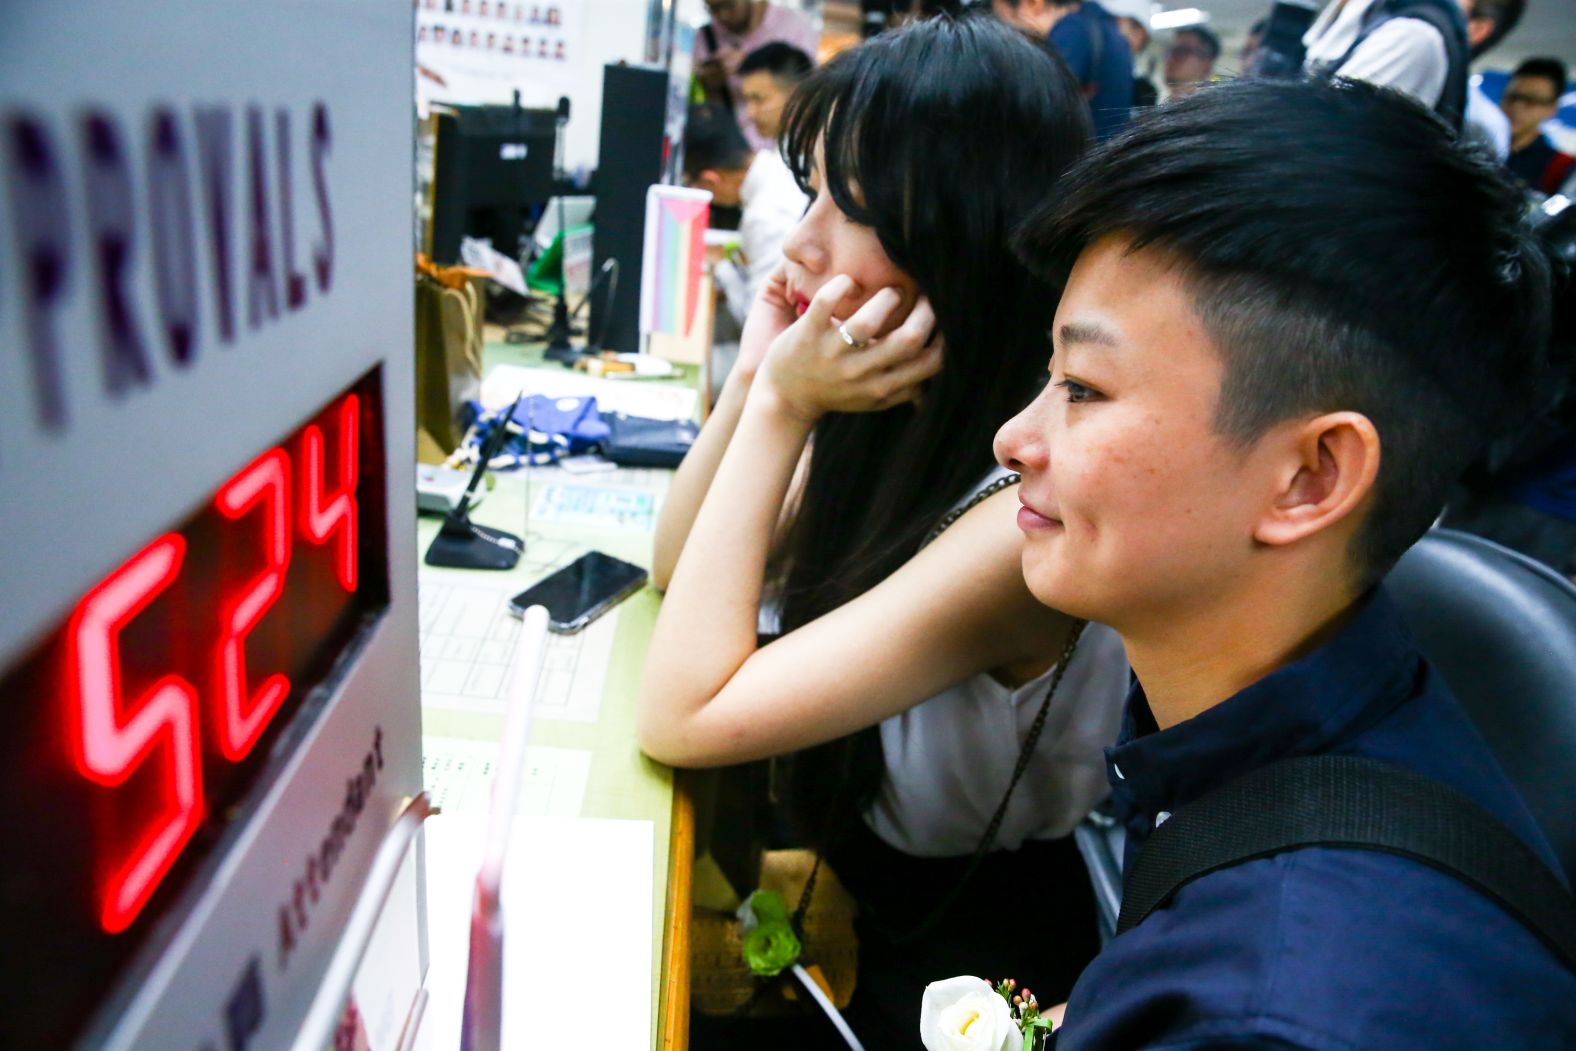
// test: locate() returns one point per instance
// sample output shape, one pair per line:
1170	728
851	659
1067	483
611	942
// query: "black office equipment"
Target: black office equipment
633	156
1281	50
461	543
558	346
494	164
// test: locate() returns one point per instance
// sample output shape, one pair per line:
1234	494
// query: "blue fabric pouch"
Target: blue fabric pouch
547	429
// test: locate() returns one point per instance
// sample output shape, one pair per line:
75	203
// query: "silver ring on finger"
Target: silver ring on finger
851	339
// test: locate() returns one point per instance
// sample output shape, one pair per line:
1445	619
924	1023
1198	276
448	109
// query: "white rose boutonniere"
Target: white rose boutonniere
966	1014
970	1014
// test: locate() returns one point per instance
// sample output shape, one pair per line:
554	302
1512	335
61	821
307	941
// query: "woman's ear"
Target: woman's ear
1330	465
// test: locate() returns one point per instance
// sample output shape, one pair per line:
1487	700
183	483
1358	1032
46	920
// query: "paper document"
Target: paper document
601	506
468	637
458	776
483	256
664	402
577	901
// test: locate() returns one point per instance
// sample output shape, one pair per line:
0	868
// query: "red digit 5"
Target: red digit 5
265	481
112	739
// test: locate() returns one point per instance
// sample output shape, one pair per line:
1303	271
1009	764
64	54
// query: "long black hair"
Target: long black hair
940	137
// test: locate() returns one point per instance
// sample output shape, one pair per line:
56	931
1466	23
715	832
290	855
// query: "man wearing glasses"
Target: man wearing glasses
1532	97
1190	61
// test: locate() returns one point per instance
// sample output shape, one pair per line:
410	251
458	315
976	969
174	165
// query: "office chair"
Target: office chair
1501	628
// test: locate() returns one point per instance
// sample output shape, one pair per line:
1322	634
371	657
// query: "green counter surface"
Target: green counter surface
622	783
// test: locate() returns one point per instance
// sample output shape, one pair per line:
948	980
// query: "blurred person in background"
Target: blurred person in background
1251	44
738	27
1522	491
1415	46
1086	37
1132	21
1488	22
767	76
1190	60
1530	99
758	183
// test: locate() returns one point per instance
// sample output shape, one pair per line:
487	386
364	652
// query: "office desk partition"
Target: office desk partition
583	761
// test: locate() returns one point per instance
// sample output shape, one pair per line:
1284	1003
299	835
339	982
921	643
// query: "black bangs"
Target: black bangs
823	113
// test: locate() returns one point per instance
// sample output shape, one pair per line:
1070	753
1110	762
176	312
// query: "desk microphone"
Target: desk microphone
461	543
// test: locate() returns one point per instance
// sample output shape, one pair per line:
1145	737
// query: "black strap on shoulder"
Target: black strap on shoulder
1452	105
1343	801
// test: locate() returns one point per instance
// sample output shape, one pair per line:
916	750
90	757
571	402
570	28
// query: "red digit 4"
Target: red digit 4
324	513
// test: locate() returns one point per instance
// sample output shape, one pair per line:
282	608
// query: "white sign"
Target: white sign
481	50
205	241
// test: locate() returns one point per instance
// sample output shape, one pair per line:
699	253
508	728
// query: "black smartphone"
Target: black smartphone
581	591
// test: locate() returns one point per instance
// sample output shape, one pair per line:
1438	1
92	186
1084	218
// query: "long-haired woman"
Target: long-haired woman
873	373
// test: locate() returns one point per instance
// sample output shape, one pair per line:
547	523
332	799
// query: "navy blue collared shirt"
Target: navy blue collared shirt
1322	948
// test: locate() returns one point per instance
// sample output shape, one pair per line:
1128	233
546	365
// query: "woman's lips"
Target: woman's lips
1031	521
800	305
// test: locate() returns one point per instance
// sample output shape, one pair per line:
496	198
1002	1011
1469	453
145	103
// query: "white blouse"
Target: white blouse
949	759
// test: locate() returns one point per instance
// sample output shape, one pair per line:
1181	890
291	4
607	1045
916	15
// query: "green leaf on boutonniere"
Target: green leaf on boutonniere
768	905
1036	1031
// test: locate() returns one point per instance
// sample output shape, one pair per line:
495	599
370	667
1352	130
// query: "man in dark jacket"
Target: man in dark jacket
1253	411
1088	40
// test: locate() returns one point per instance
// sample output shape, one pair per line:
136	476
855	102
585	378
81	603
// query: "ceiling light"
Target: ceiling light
1182	16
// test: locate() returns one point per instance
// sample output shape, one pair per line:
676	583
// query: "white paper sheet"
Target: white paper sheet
458	775
578	927
468	637
602	507
389	976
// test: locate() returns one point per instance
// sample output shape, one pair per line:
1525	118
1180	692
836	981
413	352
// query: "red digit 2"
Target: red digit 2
111	739
265	481
323	513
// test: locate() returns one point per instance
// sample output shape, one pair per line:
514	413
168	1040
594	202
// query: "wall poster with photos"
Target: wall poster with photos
485	48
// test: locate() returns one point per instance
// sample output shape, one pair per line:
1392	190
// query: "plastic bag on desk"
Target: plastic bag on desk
448	352
545	429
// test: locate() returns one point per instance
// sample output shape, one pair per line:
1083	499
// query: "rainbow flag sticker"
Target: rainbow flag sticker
673	256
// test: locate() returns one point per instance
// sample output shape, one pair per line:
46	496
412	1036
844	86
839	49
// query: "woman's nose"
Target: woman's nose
803	246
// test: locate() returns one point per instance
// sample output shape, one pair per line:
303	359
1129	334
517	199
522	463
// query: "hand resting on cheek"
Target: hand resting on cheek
876	358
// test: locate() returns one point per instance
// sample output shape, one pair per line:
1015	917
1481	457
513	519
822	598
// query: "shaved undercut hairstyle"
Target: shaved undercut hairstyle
1388	272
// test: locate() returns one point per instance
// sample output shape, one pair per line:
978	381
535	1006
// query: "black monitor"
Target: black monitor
634	154
494	166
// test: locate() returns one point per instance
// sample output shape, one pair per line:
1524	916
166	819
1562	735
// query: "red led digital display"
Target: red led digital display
141	727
